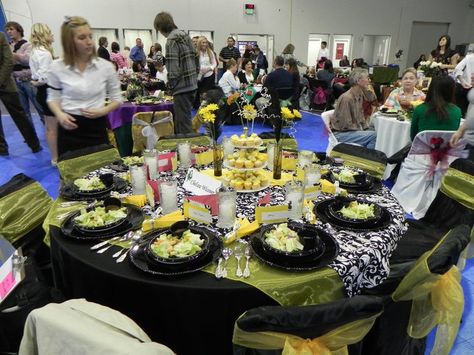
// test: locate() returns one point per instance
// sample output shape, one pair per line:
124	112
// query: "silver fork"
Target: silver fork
218	272
247	257
127	236
226	253
238	254
135	238
103	250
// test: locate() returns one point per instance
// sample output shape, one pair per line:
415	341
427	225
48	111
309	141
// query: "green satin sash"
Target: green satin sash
172	143
459	186
74	168
374	168
287	143
288	288
23	210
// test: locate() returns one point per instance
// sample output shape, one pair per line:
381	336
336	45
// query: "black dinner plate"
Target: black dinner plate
69	192
133	221
321	209
371	184
119	166
140	259
331	250
308	235
174	263
339	203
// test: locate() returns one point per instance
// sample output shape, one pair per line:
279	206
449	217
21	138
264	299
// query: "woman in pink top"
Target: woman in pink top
116	57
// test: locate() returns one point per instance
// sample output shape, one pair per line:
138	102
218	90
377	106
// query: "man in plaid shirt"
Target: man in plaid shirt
182	70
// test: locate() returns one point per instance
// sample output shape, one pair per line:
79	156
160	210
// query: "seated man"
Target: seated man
280	78
352	112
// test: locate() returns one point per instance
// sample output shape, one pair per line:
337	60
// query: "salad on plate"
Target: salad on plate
283	238
99	217
168	245
89	184
346	175
357	210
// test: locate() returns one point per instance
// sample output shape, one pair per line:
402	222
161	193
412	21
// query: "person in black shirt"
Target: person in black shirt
102	50
229	52
444	54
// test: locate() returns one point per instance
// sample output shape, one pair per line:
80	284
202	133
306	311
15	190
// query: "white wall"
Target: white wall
288	20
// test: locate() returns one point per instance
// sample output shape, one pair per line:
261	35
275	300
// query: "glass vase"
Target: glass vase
277	160
218	155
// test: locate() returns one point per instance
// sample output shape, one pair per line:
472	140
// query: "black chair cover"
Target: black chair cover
361	152
307	321
85	151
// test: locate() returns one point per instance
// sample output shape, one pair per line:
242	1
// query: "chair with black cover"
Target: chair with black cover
318	329
371	161
419	295
78	163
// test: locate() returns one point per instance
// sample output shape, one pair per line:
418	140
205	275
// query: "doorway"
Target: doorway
423	39
376	49
265	43
314	45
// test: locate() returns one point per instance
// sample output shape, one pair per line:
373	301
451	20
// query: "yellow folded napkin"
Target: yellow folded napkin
288	163
308	211
162	222
329	188
246	228
137	200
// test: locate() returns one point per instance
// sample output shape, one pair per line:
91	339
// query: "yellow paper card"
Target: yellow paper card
271	214
288	163
197	213
300	174
312	192
204	158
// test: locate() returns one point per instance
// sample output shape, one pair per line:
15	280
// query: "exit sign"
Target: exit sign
249	9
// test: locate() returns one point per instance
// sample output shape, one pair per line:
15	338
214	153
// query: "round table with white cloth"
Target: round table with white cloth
392	135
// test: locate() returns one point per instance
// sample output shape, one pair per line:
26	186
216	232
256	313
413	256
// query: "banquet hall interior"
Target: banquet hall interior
197	307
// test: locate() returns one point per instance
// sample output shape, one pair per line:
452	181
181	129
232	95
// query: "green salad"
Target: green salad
346	175
284	239
90	184
99	217
168	245
356	210
132	160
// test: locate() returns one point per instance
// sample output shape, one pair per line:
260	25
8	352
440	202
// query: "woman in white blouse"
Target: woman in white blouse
229	82
40	60
246	75
207	66
78	86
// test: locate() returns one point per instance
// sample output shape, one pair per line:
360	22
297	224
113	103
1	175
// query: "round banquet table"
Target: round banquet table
392	135
191	314
120	121
195	314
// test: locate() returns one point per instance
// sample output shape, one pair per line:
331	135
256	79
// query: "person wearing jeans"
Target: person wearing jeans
10	99
21	70
352	111
181	62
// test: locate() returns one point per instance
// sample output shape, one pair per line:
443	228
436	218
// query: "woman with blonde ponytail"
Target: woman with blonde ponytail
41	57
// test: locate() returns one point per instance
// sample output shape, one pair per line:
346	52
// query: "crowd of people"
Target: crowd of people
69	92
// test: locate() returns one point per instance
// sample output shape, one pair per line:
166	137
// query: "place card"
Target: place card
10	275
197	212
204	158
210	202
167	161
200	184
271	214
312	192
288	163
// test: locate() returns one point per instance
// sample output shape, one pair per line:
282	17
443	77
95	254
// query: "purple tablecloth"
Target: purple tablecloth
125	112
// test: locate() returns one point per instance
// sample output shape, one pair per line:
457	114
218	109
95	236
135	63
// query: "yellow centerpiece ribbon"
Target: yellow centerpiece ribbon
332	343
436	300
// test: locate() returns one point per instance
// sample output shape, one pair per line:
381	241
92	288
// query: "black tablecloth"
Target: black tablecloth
192	314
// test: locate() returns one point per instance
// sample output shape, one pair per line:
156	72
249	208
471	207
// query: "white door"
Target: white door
314	45
376	49
341	46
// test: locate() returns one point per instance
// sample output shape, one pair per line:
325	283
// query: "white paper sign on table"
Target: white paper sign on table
10	275
200	184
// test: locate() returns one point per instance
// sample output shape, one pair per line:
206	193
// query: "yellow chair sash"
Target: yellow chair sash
459	186
372	167
23	210
332	343
436	300
74	168
148	127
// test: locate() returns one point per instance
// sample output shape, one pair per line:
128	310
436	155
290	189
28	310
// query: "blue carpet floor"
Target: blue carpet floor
309	134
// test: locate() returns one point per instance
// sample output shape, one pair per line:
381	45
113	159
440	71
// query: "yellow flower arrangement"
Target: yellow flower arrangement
249	112
297	113
207	113
287	114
